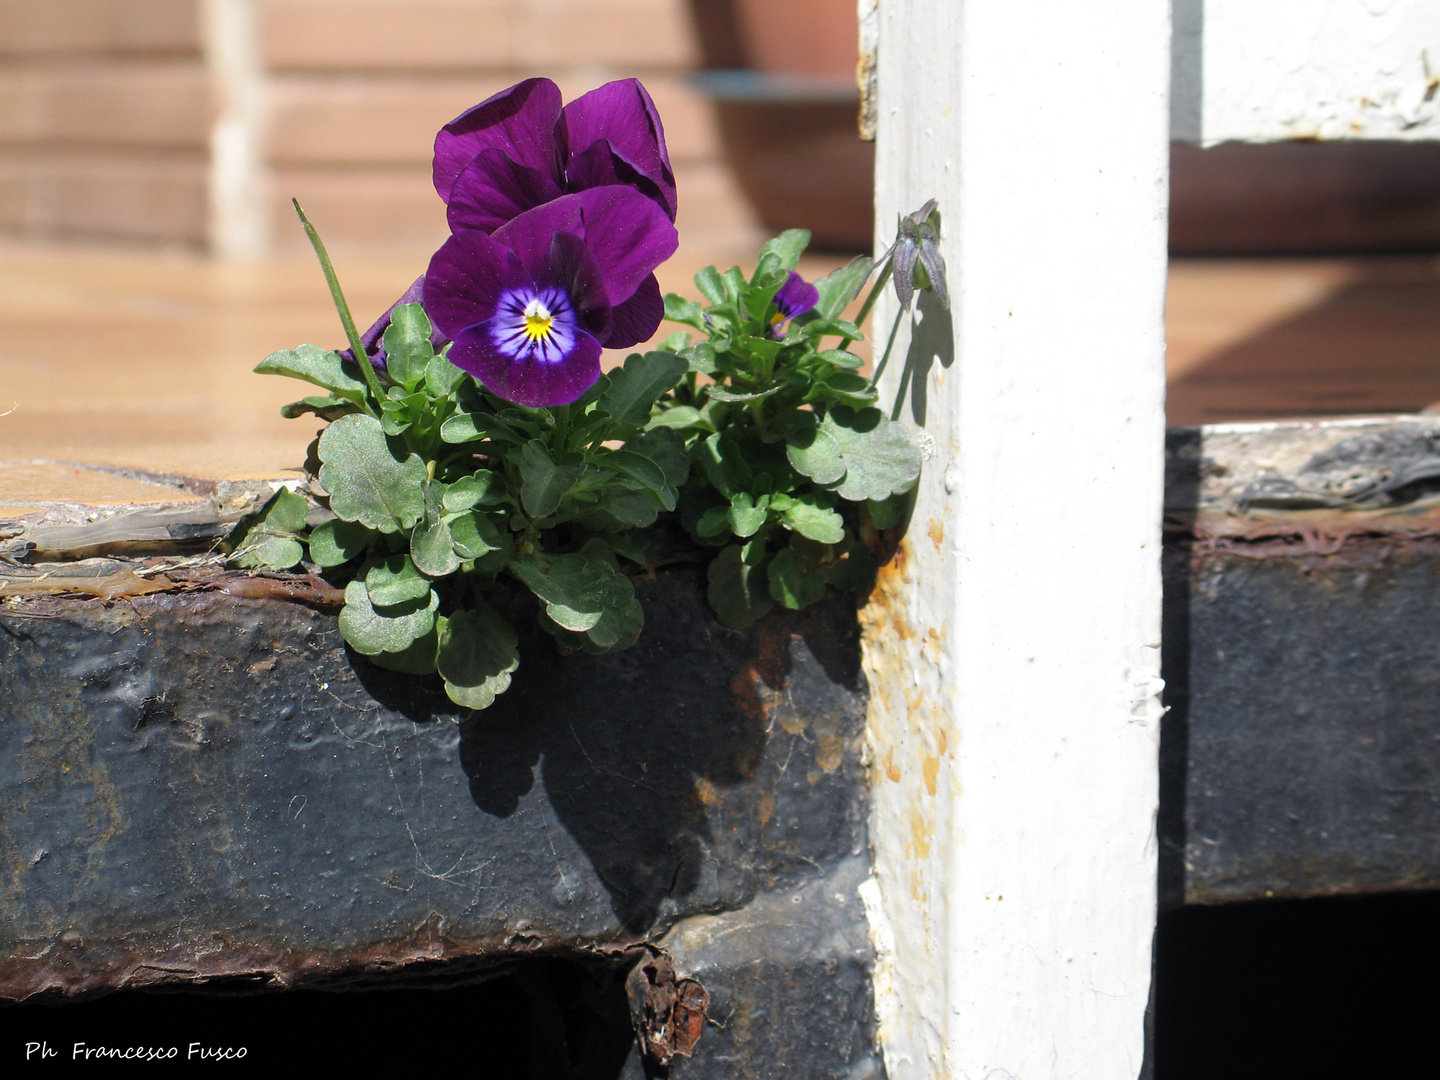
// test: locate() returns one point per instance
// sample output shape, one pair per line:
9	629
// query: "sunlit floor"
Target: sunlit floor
141	362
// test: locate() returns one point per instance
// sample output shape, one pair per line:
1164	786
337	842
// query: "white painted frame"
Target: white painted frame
1013	648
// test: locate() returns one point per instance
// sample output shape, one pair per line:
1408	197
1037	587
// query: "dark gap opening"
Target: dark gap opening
541	1018
1310	989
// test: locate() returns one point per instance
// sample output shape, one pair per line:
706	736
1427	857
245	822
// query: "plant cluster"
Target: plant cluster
472	436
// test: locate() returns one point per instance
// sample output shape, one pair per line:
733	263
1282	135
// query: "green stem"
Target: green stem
875	291
885	359
362	358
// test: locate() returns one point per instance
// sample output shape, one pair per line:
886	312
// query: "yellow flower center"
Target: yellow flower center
537	320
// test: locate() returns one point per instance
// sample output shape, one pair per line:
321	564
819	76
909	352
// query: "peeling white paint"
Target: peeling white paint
1273	70
1011	649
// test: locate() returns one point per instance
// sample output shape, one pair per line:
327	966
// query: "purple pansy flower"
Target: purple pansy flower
530	307
521	148
795	297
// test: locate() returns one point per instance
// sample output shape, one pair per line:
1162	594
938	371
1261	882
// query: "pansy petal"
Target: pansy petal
600	165
638	318
796	296
527	381
627	233
465	278
493	189
573	268
520	121
623	113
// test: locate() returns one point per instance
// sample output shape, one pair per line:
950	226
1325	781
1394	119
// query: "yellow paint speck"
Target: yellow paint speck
930	768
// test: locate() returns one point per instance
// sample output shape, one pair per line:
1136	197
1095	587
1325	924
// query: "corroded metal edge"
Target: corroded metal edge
1311	482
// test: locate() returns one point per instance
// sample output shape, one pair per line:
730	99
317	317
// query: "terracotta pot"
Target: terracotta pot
800	37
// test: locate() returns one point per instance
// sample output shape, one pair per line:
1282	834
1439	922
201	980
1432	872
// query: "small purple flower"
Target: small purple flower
530	308
795	297
520	149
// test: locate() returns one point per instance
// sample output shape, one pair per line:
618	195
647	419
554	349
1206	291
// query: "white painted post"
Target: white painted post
1272	70
1013	648
239	188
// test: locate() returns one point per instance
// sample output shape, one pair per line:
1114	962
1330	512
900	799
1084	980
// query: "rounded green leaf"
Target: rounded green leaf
370	632
366	482
572	586
477	653
335	542
811	517
790	585
737	592
474	535
393	581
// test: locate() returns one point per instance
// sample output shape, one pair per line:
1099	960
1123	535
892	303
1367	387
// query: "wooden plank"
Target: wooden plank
139	103
1015	711
48	27
1273	70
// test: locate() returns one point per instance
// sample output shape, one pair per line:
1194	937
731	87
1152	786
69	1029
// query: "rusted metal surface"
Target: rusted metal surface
1301	752
200	786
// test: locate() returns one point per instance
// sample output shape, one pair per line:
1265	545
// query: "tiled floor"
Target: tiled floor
139	362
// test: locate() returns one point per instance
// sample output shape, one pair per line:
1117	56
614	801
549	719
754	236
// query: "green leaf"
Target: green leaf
769	275
847	385
572	586
737	592
665	448
326	408
700	357
478	651
678	309
639	384
678	417
636	466
370	632
315	365
841	358
475	535
720	394
880	457
407	345
463	427
432	547
711	287
790	585
812	517
442	377
842	286
724	464
393	581
271	540
619	625
418	659
714	522
884	513
479	488
366	481
745	517
788	247
813	449
818	328
543	481
855	571
335	542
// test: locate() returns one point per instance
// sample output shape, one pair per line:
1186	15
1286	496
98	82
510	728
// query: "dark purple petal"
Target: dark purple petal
627	233
465	280
796	296
638	318
493	189
623	113
483	352
600	165
519	121
571	267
